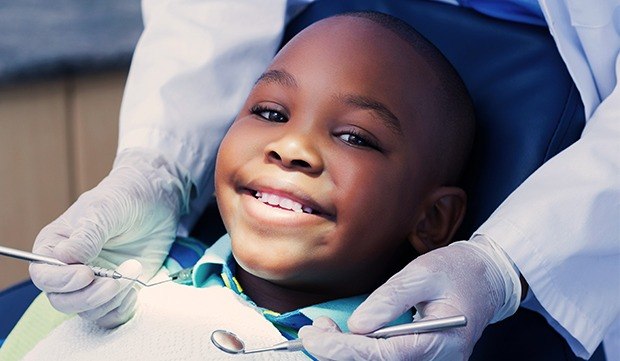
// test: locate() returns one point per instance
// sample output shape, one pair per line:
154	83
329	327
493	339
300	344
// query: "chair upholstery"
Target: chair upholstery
13	303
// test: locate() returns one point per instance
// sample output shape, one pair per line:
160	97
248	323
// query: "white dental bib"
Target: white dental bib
172	322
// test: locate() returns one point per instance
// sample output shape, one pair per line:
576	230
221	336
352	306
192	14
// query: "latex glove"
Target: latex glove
132	214
473	278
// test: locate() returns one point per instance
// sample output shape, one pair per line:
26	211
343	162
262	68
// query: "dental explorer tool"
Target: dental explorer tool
182	275
231	343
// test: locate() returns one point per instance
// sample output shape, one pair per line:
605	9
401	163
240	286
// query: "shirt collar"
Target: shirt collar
211	264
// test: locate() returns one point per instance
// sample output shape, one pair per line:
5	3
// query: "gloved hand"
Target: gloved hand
473	278
132	214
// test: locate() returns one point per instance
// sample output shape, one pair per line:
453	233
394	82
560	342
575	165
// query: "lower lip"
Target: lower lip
268	214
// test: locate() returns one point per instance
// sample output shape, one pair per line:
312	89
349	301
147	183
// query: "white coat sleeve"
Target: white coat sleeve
561	226
191	71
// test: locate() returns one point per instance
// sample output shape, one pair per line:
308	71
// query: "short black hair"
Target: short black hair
453	101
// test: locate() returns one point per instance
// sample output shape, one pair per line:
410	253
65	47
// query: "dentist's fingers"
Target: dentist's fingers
326	324
77	236
330	345
83	245
121	307
98	222
99	292
54	241
122	313
69	278
325	341
114	303
410	286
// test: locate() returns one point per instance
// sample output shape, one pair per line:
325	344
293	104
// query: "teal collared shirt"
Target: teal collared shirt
217	268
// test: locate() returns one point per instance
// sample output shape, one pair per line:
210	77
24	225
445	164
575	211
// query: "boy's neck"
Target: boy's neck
282	299
274	297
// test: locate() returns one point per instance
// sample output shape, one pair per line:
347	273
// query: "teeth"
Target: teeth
273	200
286	203
282	202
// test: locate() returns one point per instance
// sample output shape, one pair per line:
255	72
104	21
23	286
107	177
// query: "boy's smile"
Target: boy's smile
284	202
280	203
323	175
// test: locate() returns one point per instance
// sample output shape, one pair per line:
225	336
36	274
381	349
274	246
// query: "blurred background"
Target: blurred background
63	66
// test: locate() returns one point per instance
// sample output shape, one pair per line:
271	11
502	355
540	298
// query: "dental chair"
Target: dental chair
528	110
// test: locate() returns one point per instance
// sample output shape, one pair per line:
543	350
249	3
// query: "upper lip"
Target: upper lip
291	191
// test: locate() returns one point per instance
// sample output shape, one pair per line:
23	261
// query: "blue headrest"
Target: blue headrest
527	106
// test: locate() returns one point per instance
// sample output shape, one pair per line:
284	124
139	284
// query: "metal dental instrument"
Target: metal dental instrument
231	343
180	277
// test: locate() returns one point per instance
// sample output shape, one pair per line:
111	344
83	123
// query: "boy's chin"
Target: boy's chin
293	276
275	264
276	272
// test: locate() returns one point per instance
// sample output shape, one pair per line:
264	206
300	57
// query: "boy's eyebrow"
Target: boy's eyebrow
284	78
279	76
389	119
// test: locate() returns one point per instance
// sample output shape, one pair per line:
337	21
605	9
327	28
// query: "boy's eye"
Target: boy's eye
268	114
358	140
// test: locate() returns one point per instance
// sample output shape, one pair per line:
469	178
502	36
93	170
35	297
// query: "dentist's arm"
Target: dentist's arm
192	68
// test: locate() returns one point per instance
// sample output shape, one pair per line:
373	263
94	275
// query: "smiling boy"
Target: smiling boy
341	166
344	157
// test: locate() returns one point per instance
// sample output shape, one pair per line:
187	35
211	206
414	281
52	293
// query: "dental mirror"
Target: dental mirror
231	343
227	341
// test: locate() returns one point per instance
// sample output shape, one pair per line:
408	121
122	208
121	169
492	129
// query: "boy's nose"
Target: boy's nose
295	151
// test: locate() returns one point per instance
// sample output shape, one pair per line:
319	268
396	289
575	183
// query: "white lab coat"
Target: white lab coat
197	60
561	227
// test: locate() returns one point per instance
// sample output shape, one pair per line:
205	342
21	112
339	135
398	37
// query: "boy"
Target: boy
339	168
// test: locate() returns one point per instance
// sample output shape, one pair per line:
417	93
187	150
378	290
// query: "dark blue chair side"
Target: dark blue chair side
13	303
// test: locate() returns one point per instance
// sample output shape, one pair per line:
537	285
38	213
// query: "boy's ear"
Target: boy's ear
441	214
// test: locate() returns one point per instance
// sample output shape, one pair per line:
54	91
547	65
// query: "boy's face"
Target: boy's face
321	177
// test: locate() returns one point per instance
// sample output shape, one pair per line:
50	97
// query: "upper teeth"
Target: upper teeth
282	202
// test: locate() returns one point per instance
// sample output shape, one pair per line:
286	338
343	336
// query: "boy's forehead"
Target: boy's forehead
377	60
349	42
